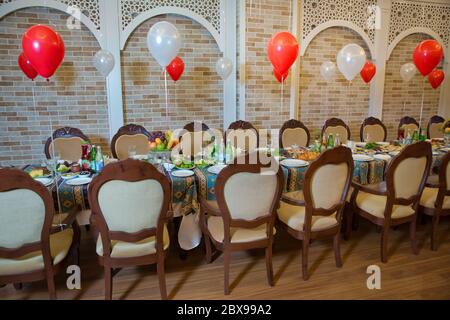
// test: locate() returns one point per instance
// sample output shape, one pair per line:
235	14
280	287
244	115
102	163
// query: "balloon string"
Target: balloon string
423	98
282	92
167	95
348	104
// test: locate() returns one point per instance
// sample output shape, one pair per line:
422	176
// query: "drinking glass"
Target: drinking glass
131	151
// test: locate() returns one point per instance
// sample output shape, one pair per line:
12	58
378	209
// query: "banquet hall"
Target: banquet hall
224	149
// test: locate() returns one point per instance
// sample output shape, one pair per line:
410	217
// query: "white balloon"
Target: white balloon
104	62
164	42
351	60
328	70
408	71
224	67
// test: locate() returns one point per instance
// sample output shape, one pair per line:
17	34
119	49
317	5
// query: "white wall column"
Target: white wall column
295	77
109	27
380	57
444	101
242	57
228	39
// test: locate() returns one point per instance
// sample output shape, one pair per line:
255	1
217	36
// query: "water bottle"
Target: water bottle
99	162
337	140
228	152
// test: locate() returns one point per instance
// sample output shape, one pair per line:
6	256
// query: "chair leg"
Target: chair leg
412	235
108	283
208	249
269	266
434	232
337	249
305	259
51	286
384	244
161	276
349	222
226	265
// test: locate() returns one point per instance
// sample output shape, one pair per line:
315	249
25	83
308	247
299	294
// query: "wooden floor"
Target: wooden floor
405	276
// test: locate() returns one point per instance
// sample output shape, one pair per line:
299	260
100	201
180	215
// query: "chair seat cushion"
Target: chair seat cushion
121	249
376	204
59	247
238	235
294	216
429	196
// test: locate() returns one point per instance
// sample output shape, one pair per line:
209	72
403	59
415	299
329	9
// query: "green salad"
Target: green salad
371	145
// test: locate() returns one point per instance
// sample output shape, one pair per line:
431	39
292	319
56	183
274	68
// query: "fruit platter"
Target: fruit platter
183	164
162	141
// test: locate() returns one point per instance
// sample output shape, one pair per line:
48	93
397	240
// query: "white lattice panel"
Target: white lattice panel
316	12
406	15
208	9
90	8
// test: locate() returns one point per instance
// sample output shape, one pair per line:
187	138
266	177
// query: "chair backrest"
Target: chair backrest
247	195
373	129
129	200
409	124
327	181
128	136
337	126
243	135
444	180
194	138
407	174
435	127
67	142
26	215
294	132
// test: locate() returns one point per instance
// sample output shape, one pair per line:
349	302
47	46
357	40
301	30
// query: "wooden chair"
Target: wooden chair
373	130
130	203
409	124
294	132
127	136
316	211
337	126
395	201
244	214
435	200
243	135
435	127
30	248
67	142
194	138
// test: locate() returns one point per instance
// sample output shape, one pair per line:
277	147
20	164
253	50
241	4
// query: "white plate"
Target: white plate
140	157
362	157
394	153
294	163
216	169
360	144
182	173
78	181
383	157
45	181
382	143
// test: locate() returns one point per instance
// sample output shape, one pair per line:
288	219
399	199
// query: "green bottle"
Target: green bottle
415	137
422	136
330	142
93	158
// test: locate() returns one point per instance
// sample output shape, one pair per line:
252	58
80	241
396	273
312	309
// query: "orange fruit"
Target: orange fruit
158	140
152	145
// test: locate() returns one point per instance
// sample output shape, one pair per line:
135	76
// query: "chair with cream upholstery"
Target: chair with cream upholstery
194	138
244	214
435	127
67	142
294	132
130	204
316	211
409	124
30	248
373	130
243	135
435	200
395	201
336	126
127	136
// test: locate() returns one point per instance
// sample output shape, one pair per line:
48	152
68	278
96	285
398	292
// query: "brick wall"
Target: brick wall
320	100
402	98
75	96
198	95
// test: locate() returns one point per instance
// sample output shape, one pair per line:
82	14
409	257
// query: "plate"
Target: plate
360	144
294	163
445	149
362	157
140	157
382	143
168	166
78	181
383	157
45	181
66	176
190	168
183	173
216	169
394	153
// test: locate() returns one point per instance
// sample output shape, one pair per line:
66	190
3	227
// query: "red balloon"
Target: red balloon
44	48
435	78
26	66
368	71
280	77
427	55
283	50
175	68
